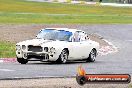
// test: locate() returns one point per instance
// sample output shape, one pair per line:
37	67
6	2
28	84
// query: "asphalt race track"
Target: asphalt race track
120	62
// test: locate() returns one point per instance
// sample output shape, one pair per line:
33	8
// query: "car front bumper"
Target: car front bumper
42	56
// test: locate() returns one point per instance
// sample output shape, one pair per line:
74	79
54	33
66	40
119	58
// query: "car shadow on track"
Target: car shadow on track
55	63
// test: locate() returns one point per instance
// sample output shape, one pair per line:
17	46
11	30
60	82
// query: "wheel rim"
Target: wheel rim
93	55
64	56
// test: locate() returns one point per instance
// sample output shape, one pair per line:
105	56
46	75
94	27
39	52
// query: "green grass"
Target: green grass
23	12
7	49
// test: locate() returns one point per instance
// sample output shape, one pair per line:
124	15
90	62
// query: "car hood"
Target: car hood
42	42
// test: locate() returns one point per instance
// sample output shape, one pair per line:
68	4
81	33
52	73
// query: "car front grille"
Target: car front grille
35	48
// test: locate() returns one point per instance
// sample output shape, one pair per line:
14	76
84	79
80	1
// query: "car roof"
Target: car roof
65	29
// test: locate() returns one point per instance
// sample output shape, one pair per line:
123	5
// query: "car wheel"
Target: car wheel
63	56
22	60
92	55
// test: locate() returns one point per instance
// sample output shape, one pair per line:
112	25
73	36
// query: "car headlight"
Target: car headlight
23	47
46	49
18	47
52	50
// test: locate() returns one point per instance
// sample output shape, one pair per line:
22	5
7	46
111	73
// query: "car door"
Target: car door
75	50
85	44
76	47
87	47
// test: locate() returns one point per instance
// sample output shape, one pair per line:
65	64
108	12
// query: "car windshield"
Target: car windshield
51	34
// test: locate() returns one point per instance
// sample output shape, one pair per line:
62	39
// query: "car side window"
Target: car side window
83	36
79	36
76	37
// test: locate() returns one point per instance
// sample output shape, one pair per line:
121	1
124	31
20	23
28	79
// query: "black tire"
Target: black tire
22	60
92	55
63	57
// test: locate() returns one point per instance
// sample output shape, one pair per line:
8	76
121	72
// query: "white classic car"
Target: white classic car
57	44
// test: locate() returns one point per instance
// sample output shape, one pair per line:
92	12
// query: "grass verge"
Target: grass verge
23	12
7	49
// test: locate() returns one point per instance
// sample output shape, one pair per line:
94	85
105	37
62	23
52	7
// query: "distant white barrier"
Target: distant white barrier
62	1
84	2
116	4
92	3
75	2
